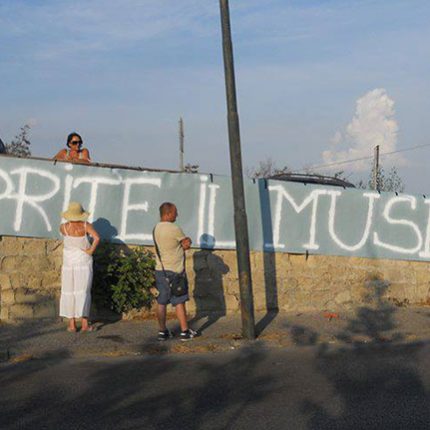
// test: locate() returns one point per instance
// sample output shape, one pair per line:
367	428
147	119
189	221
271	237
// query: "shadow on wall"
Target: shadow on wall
269	260
100	311
373	323
208	292
105	229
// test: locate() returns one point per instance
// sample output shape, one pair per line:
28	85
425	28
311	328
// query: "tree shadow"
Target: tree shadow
27	332
208	292
148	393
375	379
269	260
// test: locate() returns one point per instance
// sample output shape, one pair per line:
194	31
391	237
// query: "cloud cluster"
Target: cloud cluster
373	124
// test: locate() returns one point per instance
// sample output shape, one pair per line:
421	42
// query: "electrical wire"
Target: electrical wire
337	163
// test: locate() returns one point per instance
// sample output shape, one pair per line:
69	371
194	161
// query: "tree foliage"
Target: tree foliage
390	181
266	169
123	278
20	144
191	168
387	181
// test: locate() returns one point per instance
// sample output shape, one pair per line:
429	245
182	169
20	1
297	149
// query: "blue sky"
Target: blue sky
122	73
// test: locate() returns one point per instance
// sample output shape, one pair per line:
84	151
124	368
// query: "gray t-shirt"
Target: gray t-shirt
168	236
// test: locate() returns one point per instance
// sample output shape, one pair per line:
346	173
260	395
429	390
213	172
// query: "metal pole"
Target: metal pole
181	144
376	168
240	219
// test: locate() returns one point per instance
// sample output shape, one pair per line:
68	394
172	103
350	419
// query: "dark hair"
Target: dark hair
166	208
71	136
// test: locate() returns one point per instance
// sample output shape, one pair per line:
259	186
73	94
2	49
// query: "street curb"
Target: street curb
181	349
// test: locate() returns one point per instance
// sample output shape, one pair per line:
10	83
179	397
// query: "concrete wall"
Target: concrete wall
30	280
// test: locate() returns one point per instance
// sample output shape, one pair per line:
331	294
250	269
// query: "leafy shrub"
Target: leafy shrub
123	278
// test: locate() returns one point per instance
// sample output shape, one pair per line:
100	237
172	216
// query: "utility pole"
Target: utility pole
375	179
181	144
240	218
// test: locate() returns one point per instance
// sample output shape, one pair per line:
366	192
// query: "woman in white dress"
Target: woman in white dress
77	270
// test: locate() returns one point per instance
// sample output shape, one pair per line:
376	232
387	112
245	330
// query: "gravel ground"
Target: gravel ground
387	323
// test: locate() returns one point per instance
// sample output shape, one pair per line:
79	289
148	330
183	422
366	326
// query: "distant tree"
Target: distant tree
266	169
191	168
20	144
390	181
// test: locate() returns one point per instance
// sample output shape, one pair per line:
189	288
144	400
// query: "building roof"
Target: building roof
312	179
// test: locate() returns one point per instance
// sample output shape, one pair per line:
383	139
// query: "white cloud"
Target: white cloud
373	124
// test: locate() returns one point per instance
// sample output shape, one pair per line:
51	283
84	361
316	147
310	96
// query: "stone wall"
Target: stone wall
30	280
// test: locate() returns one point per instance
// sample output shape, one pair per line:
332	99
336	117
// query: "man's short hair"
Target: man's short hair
166	208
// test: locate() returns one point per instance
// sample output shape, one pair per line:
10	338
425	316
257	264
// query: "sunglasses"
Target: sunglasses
75	142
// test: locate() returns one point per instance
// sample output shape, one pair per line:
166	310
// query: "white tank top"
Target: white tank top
74	249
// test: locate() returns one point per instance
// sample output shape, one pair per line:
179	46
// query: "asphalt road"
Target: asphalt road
382	386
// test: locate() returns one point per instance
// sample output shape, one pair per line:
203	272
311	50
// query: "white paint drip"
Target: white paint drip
211	219
202	205
127	207
425	253
9	185
32	200
386	214
331	221
68	184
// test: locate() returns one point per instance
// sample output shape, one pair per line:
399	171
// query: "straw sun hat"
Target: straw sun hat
75	212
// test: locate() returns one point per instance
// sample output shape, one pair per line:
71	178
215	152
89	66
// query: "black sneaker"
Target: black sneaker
188	335
164	335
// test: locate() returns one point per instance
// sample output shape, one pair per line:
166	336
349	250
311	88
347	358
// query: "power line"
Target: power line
382	154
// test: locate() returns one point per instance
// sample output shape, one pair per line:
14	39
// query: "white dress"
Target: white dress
76	277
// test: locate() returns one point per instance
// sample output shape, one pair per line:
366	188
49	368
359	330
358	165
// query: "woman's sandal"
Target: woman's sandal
71	330
89	329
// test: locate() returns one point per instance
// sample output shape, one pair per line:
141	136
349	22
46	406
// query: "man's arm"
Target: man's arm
186	243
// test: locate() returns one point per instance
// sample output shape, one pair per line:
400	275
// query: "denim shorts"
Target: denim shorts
164	295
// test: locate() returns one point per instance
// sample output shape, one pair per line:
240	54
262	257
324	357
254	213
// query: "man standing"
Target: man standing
172	244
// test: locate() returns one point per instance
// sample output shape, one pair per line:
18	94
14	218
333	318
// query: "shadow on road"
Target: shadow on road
375	380
133	394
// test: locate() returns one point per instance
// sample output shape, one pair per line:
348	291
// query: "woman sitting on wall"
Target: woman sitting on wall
74	152
77	270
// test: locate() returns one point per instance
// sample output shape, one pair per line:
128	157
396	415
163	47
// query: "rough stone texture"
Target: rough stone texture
30	281
29	278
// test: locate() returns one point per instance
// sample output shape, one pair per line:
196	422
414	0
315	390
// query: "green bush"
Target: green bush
123	278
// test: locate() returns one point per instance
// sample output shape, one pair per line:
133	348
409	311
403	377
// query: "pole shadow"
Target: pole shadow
269	260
